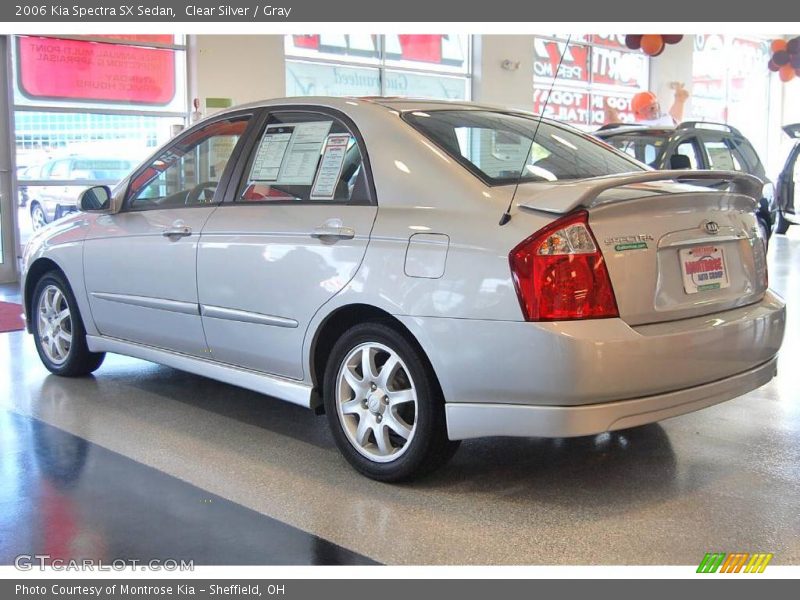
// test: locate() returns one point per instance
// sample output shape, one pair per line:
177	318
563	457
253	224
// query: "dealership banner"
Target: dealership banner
385	589
55	11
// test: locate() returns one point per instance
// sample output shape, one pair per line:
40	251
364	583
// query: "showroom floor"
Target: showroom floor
145	461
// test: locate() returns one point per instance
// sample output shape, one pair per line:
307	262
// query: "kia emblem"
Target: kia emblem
712	227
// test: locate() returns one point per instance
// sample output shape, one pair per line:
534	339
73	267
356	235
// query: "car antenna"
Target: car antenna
506	217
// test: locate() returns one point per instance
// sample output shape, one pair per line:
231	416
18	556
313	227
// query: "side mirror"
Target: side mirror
679	161
95	199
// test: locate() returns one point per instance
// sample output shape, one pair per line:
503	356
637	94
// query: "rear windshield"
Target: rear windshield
497	147
644	148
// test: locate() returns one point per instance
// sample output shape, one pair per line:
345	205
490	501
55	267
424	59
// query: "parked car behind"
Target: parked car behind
786	190
697	145
51	202
422	272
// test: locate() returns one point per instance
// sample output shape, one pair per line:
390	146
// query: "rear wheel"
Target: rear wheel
58	329
384	405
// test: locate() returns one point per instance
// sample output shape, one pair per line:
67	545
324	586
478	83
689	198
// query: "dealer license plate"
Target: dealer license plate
703	269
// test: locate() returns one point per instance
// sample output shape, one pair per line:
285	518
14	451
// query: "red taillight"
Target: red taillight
560	274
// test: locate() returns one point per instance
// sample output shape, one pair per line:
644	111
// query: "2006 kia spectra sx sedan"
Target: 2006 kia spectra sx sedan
424	272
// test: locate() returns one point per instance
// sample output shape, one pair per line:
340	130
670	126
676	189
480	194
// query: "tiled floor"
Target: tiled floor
726	478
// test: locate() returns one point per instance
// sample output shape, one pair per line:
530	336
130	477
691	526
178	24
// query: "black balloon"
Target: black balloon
794	60
773	67
672	39
780	58
793	46
634	42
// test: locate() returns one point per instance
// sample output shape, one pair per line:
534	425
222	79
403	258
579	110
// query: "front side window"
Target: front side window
305	157
187	173
505	148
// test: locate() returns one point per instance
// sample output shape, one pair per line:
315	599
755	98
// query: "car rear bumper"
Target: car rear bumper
576	363
467	420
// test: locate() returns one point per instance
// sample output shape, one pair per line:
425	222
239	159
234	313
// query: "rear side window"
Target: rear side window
747	155
503	148
720	156
305	157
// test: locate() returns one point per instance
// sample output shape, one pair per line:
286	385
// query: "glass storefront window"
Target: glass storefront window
429	66
87	110
730	84
597	70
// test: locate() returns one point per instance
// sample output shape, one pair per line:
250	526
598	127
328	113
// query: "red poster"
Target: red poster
609	40
615	67
569	106
141	39
574	67
422	48
621	102
311	42
51	68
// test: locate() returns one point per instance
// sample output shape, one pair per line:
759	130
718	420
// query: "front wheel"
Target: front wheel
58	330
384	405
38	218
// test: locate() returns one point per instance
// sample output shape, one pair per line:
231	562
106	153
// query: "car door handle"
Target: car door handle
177	231
333	232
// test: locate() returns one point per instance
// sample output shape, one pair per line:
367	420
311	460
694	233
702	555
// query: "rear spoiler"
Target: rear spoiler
563	197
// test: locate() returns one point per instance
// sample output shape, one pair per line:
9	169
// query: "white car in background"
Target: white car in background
354	256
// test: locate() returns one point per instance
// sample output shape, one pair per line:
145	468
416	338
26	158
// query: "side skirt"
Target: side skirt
296	392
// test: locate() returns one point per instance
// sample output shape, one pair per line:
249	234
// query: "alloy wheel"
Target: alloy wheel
54	324
376	402
38	219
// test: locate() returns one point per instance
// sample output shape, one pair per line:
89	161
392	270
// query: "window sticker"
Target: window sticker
270	153
302	154
331	166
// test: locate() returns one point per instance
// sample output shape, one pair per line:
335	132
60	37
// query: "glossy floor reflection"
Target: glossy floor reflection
724	479
67	498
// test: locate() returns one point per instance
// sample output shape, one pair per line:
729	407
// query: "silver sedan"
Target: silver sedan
422	272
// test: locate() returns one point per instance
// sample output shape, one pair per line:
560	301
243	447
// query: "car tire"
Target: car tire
781	224
389	424
58	330
38	216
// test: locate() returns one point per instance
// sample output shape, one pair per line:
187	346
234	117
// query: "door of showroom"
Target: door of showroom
8	254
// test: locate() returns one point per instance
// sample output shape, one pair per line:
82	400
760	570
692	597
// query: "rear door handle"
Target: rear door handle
177	232
333	231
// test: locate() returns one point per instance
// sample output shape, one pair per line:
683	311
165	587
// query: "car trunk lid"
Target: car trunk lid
672	251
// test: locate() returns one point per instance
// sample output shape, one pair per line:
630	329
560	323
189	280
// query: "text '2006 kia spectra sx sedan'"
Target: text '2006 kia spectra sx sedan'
423	272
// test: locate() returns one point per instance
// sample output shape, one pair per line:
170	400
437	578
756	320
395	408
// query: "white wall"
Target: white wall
674	65
242	67
494	85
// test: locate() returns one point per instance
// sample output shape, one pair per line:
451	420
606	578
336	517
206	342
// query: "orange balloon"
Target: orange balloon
787	73
778	45
652	44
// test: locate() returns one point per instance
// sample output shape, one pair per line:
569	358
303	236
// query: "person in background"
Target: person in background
647	109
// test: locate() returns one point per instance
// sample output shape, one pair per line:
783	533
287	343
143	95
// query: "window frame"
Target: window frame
222	188
247	155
